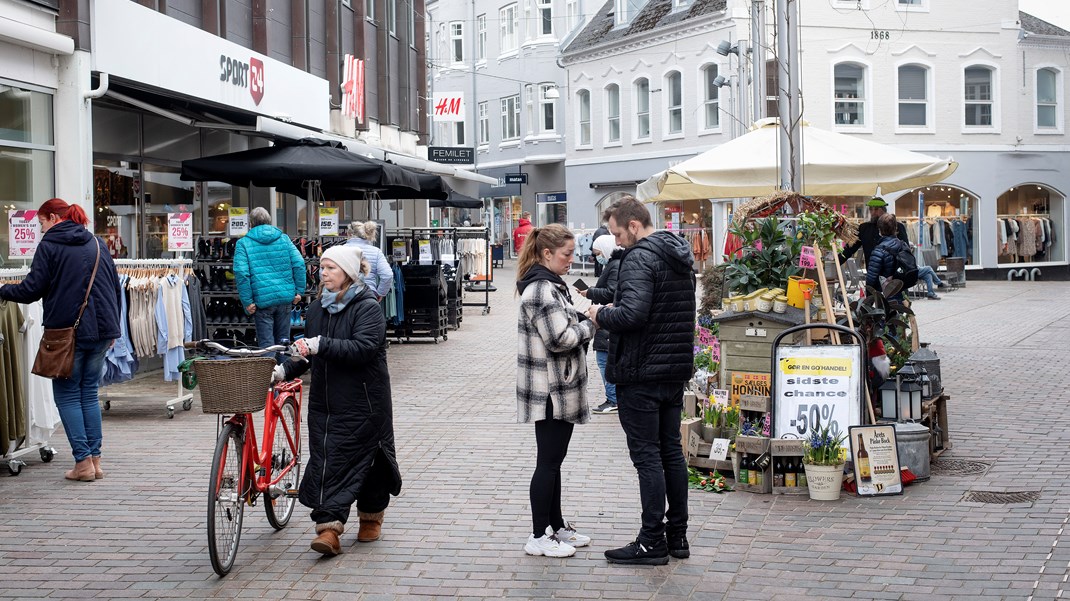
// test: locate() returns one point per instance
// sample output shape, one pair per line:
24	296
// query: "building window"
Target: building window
584	99
392	16
642	108
681	4
511	117
481	37
412	25
613	113
711	98
457	42
27	160
913	96
627	9
507	19
978	96
572	14
369	10
484	123
849	89
547	107
1047	99
458	133
546	17
675	88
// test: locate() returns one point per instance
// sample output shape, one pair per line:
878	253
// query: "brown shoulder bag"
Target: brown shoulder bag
55	356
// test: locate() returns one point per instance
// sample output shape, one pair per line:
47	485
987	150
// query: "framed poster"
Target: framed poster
816	386
876	460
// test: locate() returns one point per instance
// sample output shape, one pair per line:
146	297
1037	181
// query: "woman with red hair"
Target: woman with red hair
60	274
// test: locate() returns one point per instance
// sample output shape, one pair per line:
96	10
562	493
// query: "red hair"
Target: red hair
60	208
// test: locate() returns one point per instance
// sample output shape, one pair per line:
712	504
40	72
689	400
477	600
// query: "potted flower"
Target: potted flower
823	459
711	421
730	422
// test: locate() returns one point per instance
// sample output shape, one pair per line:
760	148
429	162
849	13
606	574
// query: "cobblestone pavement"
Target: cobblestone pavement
458	528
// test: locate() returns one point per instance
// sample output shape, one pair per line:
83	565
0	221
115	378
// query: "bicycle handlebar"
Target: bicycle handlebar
211	345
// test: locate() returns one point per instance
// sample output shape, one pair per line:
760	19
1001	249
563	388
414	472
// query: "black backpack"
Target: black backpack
906	267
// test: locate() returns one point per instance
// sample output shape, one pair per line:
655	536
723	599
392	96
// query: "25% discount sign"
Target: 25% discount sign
816	387
179	232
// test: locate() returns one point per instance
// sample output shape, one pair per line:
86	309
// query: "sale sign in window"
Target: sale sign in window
180	232
24	231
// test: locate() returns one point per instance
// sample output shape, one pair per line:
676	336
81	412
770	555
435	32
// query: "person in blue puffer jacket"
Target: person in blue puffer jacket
365	236
270	276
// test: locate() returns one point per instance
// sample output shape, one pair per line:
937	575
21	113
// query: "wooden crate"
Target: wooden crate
747	339
752	446
934	411
687	427
787	448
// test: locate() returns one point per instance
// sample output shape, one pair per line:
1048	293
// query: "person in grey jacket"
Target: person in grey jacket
607	255
551	379
365	236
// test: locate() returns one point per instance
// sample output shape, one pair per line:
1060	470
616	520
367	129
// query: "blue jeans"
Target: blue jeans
272	325
76	399
650	417
611	389
927	274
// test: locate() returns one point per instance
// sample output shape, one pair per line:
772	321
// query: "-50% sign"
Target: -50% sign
811	416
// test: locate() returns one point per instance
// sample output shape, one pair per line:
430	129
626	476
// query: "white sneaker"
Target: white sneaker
549	546
569	536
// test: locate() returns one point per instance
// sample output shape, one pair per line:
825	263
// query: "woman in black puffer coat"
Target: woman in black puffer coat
607	254
350	416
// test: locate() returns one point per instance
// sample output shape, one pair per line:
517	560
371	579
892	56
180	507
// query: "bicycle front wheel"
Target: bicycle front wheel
225	500
279	509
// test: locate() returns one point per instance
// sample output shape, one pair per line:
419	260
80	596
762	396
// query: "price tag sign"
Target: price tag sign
807	258
705	337
401	251
719	396
23	234
180	232
716	347
817	386
719	449
328	221
238	225
693	440
425	252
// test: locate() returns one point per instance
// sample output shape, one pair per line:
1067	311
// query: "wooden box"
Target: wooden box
934	414
780	449
687	427
747	339
752	446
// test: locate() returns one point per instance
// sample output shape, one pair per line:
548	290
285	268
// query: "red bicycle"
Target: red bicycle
234	385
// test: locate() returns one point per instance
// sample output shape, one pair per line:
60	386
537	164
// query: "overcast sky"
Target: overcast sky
1056	12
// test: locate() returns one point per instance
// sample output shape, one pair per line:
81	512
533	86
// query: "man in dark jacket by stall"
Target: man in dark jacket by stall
868	236
651	327
882	261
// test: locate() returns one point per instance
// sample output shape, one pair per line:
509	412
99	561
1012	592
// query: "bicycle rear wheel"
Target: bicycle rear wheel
281	508
226	504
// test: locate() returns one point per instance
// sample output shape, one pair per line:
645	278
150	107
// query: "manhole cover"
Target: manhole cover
959	467
1001	498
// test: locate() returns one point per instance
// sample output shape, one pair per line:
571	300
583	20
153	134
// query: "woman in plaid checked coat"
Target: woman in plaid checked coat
551	379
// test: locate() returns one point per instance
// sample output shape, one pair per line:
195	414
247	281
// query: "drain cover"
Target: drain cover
1001	498
959	467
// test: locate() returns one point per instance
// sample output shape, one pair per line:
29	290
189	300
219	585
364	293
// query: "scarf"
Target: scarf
539	272
333	302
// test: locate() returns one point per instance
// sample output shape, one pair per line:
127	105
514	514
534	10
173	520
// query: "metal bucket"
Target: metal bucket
912	441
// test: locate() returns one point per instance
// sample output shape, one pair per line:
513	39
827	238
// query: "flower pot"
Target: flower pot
824	481
708	432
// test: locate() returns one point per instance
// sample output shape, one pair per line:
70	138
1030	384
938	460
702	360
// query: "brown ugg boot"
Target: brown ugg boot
83	471
96	466
371	526
326	541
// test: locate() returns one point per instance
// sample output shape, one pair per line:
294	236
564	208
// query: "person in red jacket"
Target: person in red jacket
521	232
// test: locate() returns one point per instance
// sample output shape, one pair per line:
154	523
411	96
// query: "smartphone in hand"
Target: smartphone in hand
579	284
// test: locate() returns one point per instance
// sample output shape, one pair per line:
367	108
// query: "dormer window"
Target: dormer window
626	10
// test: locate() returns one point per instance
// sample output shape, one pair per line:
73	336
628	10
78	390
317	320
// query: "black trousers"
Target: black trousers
374	495
650	417
552	437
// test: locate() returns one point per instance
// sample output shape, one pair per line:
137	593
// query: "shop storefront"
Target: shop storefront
27	157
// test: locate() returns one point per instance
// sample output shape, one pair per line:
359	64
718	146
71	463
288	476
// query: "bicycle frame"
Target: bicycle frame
253	459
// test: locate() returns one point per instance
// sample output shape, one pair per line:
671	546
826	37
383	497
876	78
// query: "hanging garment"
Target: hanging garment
120	364
958	235
1027	238
399	295
41	408
1012	237
175	325
12	379
196	303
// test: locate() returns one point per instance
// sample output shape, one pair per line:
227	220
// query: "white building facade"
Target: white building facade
978	81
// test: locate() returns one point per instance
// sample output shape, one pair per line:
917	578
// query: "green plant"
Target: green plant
704	359
711	414
818	227
822	447
709	482
876	316
767	259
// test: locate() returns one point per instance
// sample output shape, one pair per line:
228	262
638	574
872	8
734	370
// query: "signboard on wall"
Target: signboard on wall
180	232
741	383
328	221
353	89
447	107
23	233
238	221
451	155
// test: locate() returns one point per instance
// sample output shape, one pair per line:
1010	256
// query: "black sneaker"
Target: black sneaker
678	546
606	407
637	553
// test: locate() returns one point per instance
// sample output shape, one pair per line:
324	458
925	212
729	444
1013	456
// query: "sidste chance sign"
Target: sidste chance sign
816	386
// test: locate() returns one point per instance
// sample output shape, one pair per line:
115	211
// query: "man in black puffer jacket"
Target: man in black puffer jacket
651	346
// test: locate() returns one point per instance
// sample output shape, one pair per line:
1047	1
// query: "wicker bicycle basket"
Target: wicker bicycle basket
234	385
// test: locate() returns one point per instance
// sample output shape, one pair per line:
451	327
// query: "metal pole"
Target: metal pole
741	87
788	94
757	37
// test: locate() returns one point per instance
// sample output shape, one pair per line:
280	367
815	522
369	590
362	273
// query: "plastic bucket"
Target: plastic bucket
796	288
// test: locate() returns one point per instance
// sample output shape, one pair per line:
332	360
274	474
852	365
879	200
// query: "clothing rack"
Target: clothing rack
1017	215
182	396
481	283
578	233
13	456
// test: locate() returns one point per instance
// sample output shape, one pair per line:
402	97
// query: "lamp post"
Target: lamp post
739	92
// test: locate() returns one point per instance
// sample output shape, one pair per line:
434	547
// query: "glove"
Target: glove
278	374
306	347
